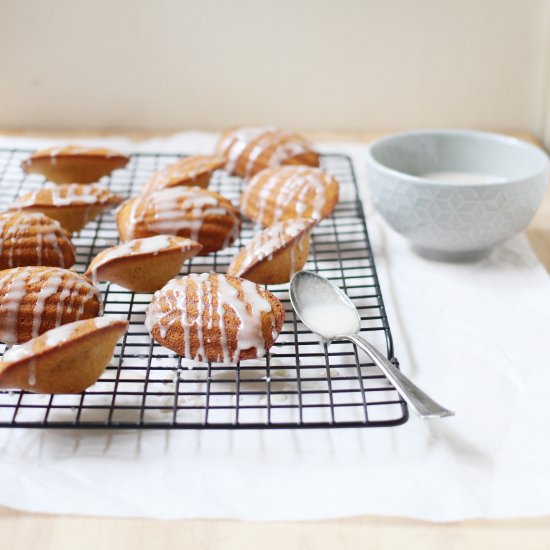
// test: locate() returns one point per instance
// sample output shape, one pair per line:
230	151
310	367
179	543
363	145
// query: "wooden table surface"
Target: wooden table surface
23	530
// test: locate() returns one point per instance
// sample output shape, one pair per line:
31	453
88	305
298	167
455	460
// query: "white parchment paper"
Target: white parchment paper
474	336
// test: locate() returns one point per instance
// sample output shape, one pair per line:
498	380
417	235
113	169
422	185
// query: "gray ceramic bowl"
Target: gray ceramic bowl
459	221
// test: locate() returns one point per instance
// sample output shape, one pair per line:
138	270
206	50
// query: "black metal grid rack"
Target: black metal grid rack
301	384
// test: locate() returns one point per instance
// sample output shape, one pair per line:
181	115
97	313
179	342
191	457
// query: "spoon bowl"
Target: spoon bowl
331	316
327	311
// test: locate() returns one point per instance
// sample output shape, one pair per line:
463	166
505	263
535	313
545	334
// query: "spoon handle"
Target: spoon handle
424	405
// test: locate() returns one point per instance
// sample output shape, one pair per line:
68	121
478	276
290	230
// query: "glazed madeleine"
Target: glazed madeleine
36	299
289	192
193	171
275	254
249	150
214	317
28	238
191	212
66	359
143	265
74	163
73	206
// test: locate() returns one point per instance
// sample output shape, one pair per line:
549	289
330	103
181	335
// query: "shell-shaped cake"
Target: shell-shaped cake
31	238
74	163
275	254
143	265
72	205
197	214
214	317
289	192
66	359
36	299
249	150
195	170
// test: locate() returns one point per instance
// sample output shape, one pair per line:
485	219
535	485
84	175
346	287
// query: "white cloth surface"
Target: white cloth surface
473	336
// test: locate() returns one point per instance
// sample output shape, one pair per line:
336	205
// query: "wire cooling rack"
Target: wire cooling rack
302	383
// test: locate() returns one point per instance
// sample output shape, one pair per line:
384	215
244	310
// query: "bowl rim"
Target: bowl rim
509	140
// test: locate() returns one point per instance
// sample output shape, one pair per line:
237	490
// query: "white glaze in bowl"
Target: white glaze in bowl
456	221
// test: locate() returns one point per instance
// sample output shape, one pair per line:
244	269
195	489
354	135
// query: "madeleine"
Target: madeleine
67	359
143	265
74	163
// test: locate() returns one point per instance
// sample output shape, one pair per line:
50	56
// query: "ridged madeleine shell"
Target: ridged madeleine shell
194	170
143	265
66	359
274	254
33	239
202	216
289	192
36	299
214	317
74	163
249	150
71	205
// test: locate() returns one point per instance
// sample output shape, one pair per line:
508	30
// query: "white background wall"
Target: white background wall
306	64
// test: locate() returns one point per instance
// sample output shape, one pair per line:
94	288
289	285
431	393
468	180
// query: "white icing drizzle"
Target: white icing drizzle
285	150
269	241
212	307
66	292
49	287
234	144
10	303
67	195
18	352
274	179
261	145
70	150
52	338
90	292
249	333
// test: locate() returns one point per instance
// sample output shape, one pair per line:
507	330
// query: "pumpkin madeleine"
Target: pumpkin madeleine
31	238
275	254
195	170
143	265
73	205
215	317
249	150
36	299
74	163
203	216
67	359
289	192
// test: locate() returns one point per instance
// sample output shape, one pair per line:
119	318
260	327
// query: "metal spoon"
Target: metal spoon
327	311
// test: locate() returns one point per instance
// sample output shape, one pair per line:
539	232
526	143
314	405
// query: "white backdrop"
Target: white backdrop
306	64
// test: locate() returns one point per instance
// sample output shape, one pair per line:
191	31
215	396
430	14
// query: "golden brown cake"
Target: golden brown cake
73	205
214	317
67	359
193	171
31	238
191	212
36	299
74	163
289	192
249	150
143	265
275	254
